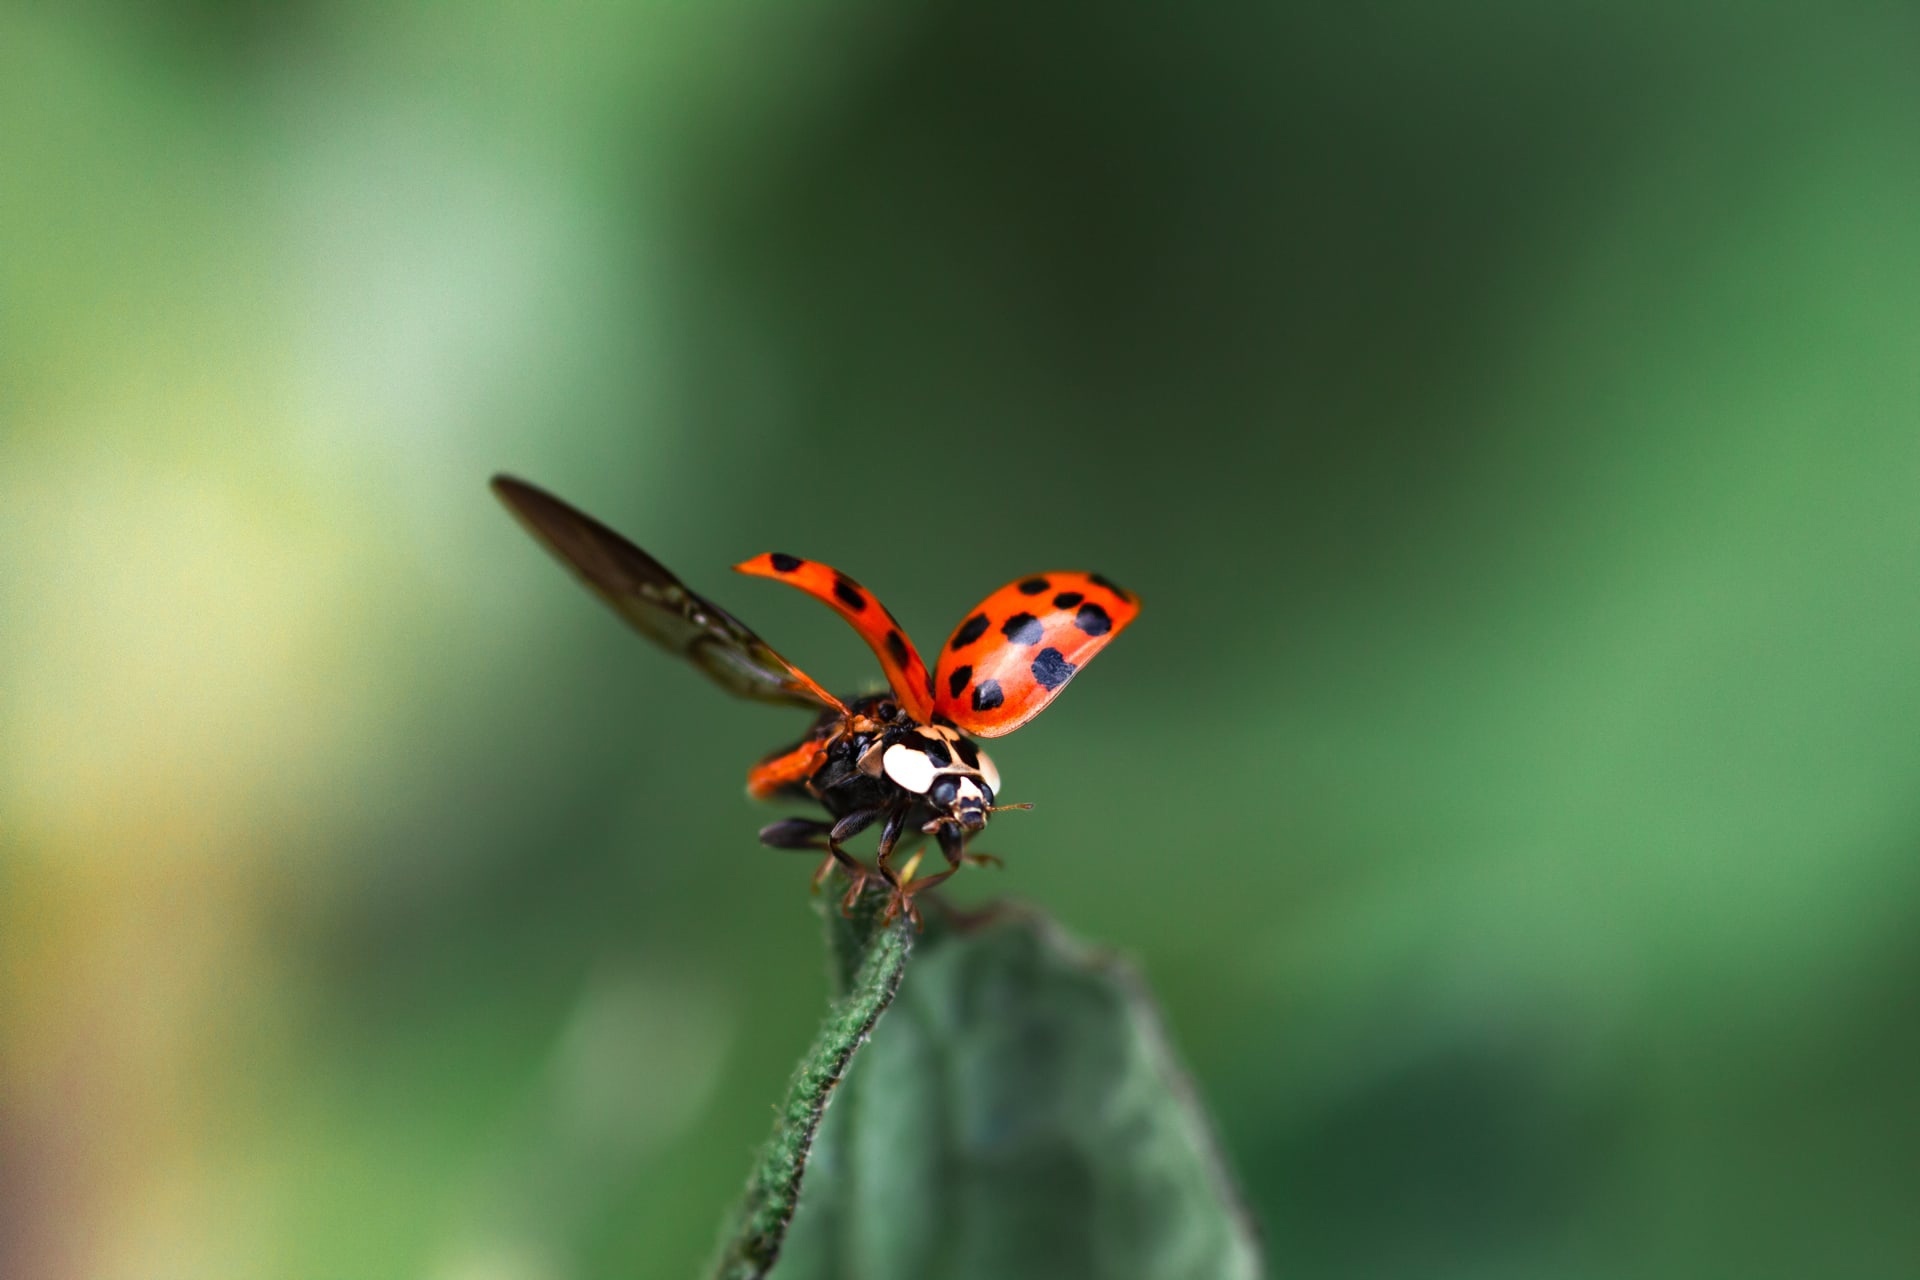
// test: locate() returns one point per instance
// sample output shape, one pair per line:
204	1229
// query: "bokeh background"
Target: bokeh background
1507	412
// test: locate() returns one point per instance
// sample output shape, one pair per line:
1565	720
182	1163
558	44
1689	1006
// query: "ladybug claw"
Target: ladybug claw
982	860
827	865
852	895
900	901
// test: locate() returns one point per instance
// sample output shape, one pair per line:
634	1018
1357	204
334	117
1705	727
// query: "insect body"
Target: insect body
904	759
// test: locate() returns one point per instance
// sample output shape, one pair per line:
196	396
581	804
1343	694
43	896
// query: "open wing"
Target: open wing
906	673
1015	653
658	604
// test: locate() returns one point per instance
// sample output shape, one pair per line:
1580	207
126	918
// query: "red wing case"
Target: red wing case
1017	651
906	673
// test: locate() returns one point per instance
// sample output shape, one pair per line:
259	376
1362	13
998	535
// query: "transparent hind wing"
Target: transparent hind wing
657	604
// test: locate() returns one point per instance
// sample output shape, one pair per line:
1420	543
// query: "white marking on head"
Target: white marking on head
909	766
991	774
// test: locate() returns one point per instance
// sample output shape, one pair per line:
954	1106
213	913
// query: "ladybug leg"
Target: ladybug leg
952	847
845	829
953	843
902	899
821	872
794	833
904	896
810	833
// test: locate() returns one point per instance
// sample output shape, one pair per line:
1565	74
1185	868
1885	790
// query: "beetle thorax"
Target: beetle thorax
939	762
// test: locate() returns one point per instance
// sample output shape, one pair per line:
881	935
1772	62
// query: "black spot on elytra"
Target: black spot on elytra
784	562
1023	628
1034	586
1093	620
1067	599
975	627
897	648
849	593
1111	585
968	753
958	680
987	695
1051	668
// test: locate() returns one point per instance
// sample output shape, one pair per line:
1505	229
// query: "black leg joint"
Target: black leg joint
953	842
794	833
853	824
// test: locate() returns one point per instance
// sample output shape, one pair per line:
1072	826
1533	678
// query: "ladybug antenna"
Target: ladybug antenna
947	819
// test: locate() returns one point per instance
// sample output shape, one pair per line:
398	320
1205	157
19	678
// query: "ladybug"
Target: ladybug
903	758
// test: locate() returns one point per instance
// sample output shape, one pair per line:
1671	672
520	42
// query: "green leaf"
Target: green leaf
1019	1115
869	960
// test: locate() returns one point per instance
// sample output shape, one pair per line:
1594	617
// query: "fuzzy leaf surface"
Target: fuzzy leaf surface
1019	1114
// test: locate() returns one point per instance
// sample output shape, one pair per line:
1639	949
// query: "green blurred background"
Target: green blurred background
1507	413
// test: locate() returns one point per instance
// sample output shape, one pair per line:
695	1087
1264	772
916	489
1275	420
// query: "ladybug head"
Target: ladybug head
956	779
963	798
